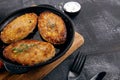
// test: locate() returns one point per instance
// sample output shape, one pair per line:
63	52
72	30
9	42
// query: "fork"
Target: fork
77	66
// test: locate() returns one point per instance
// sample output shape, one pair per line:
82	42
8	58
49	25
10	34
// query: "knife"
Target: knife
99	76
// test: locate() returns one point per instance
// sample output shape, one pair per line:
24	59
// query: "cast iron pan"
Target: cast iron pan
60	50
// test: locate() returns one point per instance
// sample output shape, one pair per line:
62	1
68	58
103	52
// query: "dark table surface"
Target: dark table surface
99	23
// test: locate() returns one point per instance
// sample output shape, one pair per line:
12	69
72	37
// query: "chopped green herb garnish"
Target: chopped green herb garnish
17	50
22	48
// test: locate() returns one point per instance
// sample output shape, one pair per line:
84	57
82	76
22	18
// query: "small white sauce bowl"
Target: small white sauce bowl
72	7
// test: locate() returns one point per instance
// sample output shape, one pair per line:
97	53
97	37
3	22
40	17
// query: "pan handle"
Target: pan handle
15	69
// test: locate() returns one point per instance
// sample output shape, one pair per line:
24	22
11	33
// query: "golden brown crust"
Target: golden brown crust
19	28
29	52
52	28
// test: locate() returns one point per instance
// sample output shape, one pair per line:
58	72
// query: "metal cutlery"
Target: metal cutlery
98	76
77	66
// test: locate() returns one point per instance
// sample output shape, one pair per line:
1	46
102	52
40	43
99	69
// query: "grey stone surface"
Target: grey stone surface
99	23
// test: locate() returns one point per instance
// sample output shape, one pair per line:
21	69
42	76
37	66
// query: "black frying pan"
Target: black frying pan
60	50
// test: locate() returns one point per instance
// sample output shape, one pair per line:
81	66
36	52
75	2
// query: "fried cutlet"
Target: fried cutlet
29	52
19	28
52	27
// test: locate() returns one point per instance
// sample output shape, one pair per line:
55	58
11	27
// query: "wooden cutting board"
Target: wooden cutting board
41	72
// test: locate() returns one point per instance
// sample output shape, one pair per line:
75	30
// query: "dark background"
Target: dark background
99	23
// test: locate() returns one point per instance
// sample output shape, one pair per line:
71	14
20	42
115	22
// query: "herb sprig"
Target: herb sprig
22	48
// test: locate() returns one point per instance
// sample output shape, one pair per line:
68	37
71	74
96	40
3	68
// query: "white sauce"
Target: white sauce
72	7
